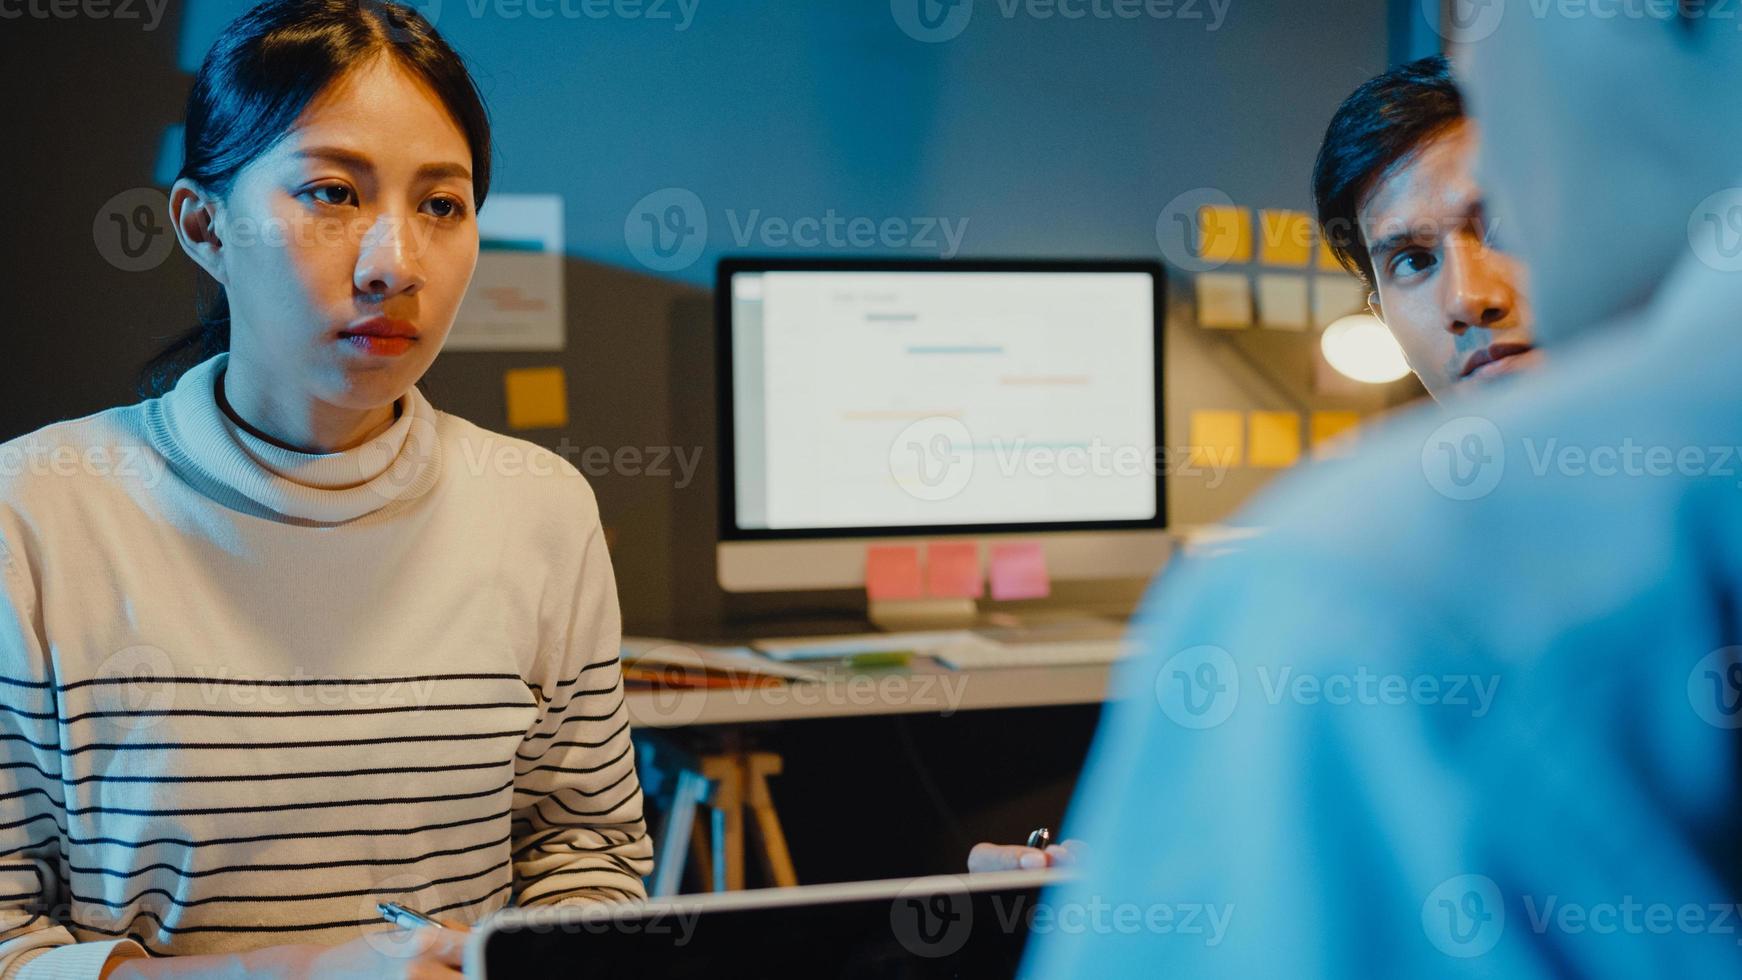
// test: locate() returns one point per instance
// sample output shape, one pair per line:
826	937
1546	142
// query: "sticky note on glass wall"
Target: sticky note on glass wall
1224	300
1019	571
1275	439
892	572
1282	301
952	570
1216	438
538	398
1284	238
1333	433
1337	296
1224	233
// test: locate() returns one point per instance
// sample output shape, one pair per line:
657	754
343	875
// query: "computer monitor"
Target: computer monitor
868	402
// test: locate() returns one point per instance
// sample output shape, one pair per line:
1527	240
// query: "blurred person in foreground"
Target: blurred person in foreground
1470	706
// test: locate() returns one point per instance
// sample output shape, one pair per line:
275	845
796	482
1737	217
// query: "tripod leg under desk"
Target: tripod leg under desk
726	772
709	799
738	782
776	859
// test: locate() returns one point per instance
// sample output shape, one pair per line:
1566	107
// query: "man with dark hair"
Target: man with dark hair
1399	206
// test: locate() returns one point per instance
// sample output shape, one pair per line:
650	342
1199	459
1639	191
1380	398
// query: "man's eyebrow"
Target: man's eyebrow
1393	242
360	162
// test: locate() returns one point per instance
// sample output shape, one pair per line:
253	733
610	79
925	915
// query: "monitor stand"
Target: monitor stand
916	615
1088	603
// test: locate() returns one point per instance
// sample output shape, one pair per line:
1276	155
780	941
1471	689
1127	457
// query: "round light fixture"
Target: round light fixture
1361	348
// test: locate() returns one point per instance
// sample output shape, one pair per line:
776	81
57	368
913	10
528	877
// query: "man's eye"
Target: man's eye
337	195
1413	263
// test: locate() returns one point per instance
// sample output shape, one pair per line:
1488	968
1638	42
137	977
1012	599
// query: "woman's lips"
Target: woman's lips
380	335
383	346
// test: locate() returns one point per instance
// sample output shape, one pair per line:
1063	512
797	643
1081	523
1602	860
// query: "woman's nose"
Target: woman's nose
388	263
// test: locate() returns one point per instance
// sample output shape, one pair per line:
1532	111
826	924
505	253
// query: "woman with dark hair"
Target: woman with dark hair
284	641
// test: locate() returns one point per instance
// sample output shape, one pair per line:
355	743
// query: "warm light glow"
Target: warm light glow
1360	347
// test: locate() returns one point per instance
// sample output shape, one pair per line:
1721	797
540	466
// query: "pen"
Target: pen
880	658
1039	838
406	918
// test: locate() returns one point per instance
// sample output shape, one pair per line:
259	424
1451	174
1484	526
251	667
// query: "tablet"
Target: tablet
967	925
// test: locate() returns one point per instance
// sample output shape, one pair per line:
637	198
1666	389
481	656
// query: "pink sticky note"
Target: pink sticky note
1019	571
892	572
952	570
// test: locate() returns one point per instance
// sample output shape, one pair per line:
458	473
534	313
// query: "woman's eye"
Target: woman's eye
448	207
337	195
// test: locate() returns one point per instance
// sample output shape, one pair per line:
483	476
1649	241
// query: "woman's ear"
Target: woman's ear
194	213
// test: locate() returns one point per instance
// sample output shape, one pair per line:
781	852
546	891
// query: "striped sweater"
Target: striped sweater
247	693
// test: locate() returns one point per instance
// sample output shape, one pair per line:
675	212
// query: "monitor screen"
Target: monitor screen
866	398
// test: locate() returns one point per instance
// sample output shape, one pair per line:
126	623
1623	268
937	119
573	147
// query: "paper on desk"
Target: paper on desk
854	644
653	651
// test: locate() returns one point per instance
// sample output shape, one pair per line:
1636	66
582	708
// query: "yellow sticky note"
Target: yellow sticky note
1328	259
1333	433
1284	237
538	398
1217	438
1224	300
1224	233
1275	439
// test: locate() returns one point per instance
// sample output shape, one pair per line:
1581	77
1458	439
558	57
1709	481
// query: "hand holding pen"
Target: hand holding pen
1040	852
408	918
427	948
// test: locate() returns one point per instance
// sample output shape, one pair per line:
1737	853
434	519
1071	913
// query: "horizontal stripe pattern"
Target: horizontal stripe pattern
130	834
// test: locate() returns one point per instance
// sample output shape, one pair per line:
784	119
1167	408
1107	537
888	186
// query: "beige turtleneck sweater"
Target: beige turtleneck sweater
246	693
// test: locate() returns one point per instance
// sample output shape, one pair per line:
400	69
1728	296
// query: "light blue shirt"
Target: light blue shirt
1469	707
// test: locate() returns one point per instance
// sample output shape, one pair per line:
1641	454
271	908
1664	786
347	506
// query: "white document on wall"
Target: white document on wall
516	298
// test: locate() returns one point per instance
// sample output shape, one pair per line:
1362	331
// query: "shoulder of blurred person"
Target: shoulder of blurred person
1472	651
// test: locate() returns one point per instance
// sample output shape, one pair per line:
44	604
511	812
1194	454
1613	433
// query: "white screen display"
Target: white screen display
889	398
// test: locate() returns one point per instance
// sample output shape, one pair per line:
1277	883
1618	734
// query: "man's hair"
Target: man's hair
1383	123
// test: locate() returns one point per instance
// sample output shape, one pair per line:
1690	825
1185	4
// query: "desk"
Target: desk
922	687
731	778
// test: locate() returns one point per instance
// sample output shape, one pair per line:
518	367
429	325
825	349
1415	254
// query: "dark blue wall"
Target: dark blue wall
1044	135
